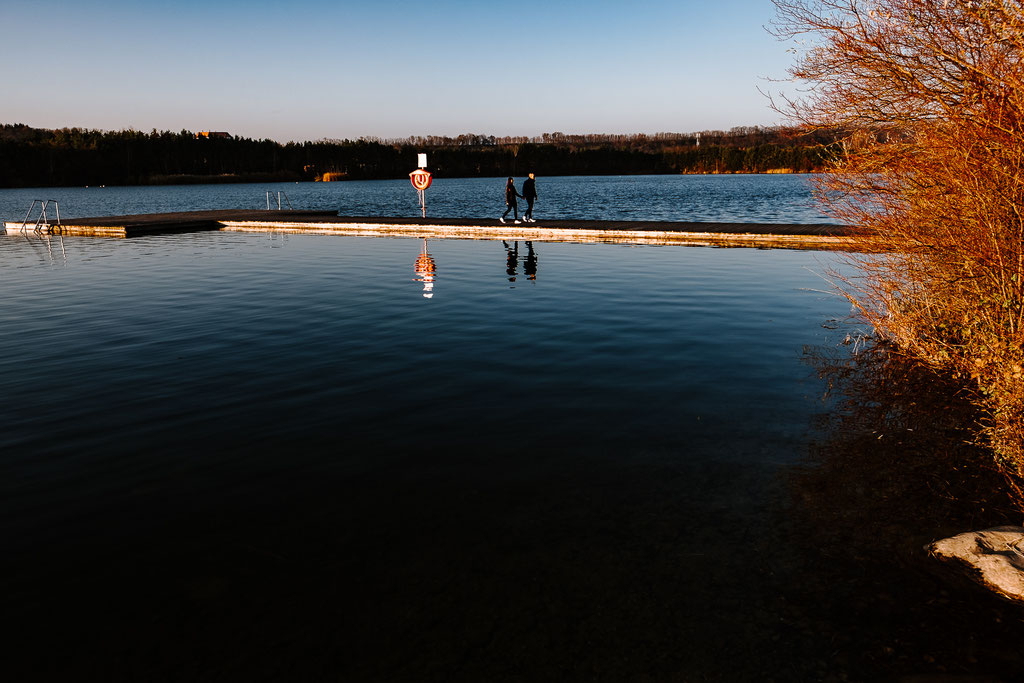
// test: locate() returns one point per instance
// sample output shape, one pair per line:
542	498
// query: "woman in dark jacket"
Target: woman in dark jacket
510	201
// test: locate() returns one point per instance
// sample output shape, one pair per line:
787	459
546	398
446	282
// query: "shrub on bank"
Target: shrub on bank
934	176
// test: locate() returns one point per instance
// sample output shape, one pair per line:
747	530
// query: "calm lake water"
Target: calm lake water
297	457
732	198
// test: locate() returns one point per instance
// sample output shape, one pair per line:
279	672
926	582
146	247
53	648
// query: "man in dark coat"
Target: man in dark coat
530	195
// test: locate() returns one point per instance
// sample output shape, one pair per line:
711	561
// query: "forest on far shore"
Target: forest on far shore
36	157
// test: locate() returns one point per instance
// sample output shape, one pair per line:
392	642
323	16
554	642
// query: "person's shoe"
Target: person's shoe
518	222
502	219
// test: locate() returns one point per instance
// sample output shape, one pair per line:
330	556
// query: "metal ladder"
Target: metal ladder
42	223
279	195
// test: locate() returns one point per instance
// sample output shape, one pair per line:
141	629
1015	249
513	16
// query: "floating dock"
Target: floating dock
762	235
150	223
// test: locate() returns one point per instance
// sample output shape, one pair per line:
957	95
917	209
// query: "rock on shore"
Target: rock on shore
994	557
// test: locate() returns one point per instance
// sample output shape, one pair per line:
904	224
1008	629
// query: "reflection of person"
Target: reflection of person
510	201
511	260
530	264
530	195
427	271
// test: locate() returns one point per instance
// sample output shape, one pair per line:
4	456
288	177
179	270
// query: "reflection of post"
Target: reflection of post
427	271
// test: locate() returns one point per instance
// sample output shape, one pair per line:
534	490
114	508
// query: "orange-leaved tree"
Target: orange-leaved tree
931	94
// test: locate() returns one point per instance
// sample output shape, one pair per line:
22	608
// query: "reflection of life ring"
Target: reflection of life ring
425	266
427	271
420	179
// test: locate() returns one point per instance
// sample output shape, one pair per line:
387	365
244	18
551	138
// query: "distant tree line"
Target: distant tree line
76	156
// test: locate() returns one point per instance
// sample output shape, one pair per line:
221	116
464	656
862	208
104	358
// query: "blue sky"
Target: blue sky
311	70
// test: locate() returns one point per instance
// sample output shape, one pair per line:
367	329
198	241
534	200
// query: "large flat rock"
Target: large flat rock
994	557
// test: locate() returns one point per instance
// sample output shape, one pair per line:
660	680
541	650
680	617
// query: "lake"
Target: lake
235	456
723	198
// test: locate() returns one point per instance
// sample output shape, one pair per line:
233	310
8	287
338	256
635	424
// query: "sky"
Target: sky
309	70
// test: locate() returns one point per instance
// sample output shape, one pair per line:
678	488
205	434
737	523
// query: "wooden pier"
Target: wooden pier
762	235
149	223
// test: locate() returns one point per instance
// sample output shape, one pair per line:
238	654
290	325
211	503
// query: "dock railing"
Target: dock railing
279	196
42	223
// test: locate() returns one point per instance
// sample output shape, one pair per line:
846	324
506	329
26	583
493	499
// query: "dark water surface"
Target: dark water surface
724	198
257	457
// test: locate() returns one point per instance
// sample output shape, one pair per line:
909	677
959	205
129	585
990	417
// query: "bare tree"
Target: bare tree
932	92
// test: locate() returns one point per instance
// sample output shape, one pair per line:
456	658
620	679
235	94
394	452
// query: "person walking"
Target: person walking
530	195
510	201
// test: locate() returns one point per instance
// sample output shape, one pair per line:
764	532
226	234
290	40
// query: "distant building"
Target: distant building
212	134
